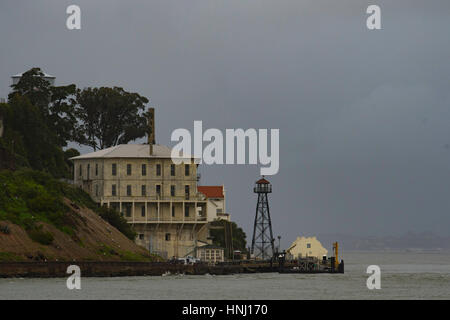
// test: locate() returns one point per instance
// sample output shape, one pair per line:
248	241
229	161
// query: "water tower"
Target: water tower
51	79
263	241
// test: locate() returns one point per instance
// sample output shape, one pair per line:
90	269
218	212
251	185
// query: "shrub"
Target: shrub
29	196
38	235
116	220
5	229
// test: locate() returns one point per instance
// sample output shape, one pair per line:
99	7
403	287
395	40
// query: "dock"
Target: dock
57	269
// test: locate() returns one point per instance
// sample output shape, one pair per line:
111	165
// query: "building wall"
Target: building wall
171	240
153	215
214	208
211	255
104	179
307	247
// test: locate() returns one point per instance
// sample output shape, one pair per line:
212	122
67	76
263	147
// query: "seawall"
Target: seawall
118	269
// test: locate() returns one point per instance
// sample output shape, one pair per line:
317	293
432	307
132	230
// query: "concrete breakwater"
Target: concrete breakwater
121	269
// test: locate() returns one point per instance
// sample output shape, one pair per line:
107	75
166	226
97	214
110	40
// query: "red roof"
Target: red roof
211	191
262	181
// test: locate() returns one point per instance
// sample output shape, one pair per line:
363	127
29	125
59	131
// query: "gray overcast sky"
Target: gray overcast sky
363	115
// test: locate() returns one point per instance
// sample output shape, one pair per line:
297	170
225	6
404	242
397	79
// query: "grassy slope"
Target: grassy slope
45	219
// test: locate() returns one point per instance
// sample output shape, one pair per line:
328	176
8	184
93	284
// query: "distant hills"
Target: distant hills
407	241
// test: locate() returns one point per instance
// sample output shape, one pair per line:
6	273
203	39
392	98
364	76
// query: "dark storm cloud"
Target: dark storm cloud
363	115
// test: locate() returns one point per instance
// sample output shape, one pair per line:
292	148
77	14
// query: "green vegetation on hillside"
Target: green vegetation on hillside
28	197
115	219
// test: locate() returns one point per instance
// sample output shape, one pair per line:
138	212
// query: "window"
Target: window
186	211
172	191
219	211
308	245
144	169
80	172
96	169
114	169
172	170
128	169
88	170
141	236
96	190
167	236
158	189
128	210
144	190
158	169
113	189
128	190
173	211
186	170
186	191
143	211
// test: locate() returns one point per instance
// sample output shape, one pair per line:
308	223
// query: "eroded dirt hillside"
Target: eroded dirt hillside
94	239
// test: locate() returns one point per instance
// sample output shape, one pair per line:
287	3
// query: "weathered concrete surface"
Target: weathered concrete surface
116	269
122	269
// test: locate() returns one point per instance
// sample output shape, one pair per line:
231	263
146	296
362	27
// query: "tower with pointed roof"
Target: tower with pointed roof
262	241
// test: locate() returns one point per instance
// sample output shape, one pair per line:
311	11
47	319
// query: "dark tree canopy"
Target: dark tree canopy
238	235
110	116
40	119
56	104
30	141
33	86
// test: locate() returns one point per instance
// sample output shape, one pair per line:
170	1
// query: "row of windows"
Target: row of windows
129	170
128	211
80	171
211	254
144	169
167	236
144	190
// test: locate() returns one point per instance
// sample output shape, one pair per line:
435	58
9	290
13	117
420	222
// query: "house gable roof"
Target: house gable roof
211	191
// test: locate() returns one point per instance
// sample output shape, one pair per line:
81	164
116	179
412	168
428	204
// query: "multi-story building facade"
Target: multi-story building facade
157	196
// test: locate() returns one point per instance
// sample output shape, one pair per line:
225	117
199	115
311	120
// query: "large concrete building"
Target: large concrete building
159	198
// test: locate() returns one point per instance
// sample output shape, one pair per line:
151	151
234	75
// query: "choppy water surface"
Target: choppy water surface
404	275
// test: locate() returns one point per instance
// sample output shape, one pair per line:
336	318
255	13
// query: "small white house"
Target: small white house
215	206
211	254
307	247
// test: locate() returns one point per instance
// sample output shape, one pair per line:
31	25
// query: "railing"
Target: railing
165	219
132	198
262	188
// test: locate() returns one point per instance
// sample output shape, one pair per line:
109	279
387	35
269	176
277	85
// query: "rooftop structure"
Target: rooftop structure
49	78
